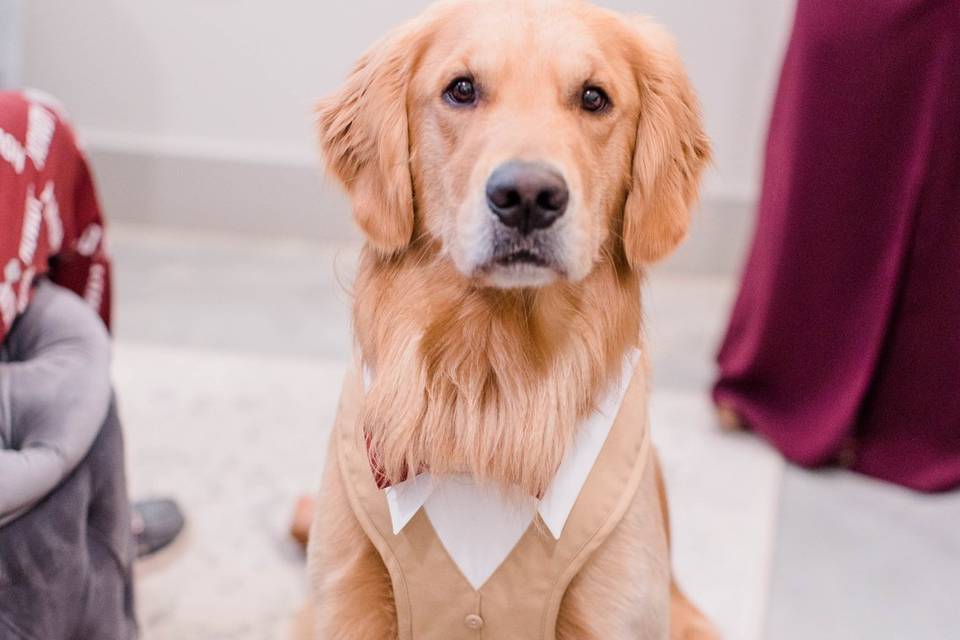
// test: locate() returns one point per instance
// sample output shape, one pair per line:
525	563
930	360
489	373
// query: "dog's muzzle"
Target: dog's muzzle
527	199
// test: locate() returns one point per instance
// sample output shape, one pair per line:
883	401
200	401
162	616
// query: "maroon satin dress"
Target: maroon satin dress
845	336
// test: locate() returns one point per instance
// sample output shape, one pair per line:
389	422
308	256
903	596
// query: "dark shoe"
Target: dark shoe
156	524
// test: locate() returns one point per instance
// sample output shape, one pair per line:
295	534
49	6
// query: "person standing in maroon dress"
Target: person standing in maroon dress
844	343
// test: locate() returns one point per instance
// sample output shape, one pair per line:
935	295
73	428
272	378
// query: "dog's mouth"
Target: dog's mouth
522	257
514	250
521	263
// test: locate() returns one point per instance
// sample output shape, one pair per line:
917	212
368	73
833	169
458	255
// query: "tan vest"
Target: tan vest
521	600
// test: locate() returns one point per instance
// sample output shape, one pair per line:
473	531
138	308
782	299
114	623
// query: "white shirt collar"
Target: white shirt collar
480	524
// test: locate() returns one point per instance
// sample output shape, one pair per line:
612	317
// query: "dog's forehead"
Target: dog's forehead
540	36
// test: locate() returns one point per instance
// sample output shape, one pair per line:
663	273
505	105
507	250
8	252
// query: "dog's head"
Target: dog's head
524	139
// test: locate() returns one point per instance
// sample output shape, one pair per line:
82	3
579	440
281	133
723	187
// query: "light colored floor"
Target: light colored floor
228	363
858	559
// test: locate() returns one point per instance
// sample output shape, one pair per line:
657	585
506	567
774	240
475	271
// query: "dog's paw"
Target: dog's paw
695	630
686	621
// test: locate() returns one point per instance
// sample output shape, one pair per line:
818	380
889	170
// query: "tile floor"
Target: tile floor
228	362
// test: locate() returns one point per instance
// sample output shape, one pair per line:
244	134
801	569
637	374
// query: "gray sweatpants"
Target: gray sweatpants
66	559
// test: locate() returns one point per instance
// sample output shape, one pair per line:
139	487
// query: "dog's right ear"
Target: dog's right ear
363	134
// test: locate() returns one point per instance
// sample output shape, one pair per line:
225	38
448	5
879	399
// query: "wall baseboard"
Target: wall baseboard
292	199
262	198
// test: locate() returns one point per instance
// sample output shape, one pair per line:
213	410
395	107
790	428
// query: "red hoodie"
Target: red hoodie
50	221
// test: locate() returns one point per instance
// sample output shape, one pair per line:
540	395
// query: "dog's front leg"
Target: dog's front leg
622	592
353	595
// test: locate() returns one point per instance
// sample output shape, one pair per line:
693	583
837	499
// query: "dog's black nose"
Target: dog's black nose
527	196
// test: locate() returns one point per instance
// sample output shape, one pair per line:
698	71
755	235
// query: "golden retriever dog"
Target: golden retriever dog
515	166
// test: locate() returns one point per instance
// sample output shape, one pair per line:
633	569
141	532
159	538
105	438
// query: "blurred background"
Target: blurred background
234	259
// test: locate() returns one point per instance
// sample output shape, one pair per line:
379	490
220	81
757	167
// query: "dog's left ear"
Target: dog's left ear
363	134
672	149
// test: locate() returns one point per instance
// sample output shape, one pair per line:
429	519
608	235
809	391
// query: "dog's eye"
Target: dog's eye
594	100
461	91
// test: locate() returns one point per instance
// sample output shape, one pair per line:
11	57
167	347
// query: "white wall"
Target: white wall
11	37
733	50
235	79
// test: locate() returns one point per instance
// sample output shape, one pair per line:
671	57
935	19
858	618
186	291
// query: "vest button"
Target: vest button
474	622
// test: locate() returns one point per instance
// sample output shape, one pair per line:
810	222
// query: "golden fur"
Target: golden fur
486	381
474	378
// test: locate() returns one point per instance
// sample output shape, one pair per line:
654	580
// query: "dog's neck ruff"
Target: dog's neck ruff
480	523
